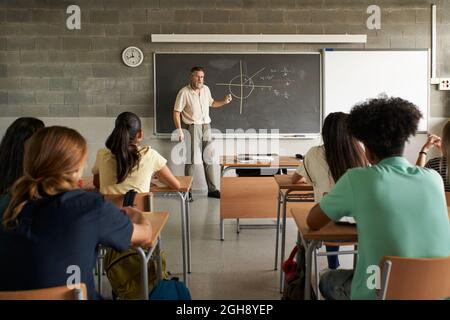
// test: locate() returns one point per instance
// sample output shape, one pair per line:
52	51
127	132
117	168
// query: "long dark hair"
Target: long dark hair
342	151
12	149
121	144
52	156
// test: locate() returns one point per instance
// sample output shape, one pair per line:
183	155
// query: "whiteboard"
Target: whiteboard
353	76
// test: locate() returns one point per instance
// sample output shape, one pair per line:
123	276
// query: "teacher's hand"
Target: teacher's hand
227	99
180	135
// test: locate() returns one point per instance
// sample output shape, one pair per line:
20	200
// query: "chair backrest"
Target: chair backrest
54	293
415	278
142	201
447	197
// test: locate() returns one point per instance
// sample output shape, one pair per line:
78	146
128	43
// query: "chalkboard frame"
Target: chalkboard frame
300	136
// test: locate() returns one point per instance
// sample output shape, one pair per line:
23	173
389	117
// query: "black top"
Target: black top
440	165
55	236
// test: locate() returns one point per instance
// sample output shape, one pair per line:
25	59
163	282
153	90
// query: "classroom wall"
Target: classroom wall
77	78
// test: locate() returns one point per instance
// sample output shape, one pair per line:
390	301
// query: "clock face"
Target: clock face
132	56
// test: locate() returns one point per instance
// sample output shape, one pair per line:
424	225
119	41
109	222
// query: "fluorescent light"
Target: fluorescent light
261	38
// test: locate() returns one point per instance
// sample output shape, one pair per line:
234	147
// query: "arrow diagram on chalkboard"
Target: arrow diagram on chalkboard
244	84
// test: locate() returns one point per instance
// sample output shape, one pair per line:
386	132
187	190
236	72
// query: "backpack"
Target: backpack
170	290
123	269
294	287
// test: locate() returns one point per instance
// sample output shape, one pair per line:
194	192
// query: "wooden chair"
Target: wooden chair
54	293
415	278
447	197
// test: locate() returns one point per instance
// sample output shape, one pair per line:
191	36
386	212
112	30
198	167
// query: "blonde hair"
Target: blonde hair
52	157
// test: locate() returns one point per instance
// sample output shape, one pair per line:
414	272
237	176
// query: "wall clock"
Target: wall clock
132	56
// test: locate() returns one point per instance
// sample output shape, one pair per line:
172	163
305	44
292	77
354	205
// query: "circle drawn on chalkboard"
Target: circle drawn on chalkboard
242	85
235	83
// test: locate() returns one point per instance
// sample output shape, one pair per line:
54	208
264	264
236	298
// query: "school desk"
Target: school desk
182	193
288	192
157	220
312	240
249	197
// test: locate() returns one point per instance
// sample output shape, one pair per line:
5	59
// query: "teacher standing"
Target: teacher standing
192	106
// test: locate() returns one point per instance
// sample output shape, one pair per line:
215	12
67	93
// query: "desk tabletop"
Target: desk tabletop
284	181
185	185
331	232
158	220
281	161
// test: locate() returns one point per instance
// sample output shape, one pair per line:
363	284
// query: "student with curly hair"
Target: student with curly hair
399	208
439	163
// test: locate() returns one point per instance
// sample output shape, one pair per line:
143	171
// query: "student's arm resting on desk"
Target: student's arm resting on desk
142	229
334	205
317	218
296	178
166	176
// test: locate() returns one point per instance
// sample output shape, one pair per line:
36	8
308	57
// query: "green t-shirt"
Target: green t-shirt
400	210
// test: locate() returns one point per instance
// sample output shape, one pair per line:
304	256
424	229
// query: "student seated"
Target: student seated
325	164
400	209
11	150
440	163
124	164
50	229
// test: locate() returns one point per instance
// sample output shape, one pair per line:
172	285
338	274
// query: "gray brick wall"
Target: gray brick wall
49	71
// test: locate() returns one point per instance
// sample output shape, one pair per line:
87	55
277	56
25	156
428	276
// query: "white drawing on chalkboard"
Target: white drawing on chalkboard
244	84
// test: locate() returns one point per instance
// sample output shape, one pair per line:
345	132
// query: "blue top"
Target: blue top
57	236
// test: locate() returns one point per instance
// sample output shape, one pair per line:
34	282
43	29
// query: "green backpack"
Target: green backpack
124	273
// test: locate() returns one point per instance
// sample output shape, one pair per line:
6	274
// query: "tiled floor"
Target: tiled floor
241	267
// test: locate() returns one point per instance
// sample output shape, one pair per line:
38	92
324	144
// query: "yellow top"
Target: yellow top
139	179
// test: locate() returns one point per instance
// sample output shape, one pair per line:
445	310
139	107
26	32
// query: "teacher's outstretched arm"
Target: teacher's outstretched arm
220	103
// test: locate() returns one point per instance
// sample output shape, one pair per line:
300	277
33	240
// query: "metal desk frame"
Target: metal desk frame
185	229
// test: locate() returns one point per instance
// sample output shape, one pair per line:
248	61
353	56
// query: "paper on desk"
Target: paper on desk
346	219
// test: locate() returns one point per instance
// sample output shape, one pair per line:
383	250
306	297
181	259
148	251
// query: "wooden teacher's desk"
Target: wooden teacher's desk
250	197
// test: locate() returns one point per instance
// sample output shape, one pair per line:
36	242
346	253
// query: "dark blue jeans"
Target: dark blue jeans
333	261
336	284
